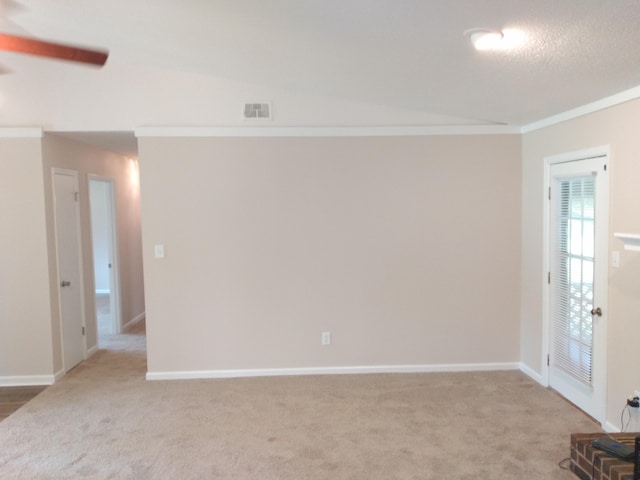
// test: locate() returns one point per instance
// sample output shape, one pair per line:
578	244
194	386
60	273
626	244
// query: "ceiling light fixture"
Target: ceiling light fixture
485	39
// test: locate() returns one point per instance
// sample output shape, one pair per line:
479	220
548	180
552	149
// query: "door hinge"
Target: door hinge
76	195
547	360
549	278
83	331
549	193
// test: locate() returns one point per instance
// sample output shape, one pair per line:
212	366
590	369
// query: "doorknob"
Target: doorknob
596	311
65	283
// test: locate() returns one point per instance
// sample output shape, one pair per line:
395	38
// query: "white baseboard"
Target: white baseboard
532	373
269	372
91	351
610	427
103	291
133	321
58	375
26	380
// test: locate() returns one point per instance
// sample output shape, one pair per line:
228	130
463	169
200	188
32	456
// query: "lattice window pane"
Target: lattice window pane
572	270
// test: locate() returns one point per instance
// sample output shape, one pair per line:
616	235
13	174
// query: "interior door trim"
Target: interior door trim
585	154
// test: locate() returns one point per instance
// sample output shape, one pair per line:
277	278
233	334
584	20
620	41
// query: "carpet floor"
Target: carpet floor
104	421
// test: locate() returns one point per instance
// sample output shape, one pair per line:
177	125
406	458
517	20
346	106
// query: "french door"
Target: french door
577	280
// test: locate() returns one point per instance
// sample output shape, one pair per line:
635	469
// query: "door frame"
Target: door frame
603	151
114	275
76	183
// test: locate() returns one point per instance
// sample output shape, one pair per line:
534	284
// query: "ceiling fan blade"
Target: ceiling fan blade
31	46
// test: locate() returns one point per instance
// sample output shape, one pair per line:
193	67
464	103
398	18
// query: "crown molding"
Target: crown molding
613	100
324	131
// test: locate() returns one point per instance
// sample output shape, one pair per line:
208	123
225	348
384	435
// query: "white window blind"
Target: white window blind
573	275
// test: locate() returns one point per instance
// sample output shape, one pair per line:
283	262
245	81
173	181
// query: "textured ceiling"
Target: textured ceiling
401	54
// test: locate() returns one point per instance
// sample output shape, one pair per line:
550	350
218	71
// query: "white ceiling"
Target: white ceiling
321	62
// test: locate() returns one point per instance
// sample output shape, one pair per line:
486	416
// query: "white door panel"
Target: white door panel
70	282
578	263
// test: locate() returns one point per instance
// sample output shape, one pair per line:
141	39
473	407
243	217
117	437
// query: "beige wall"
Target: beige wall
617	127
406	248
25	319
63	153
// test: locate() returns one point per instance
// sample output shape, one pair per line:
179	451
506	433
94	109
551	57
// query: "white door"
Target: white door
578	264
67	228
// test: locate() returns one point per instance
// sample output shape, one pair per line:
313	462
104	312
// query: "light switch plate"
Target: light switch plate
615	259
159	251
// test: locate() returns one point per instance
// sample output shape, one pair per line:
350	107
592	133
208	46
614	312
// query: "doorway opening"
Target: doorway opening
105	256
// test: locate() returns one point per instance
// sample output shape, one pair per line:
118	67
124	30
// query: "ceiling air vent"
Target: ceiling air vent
257	111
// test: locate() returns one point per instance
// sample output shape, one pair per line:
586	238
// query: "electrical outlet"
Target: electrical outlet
326	338
634	400
636	394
